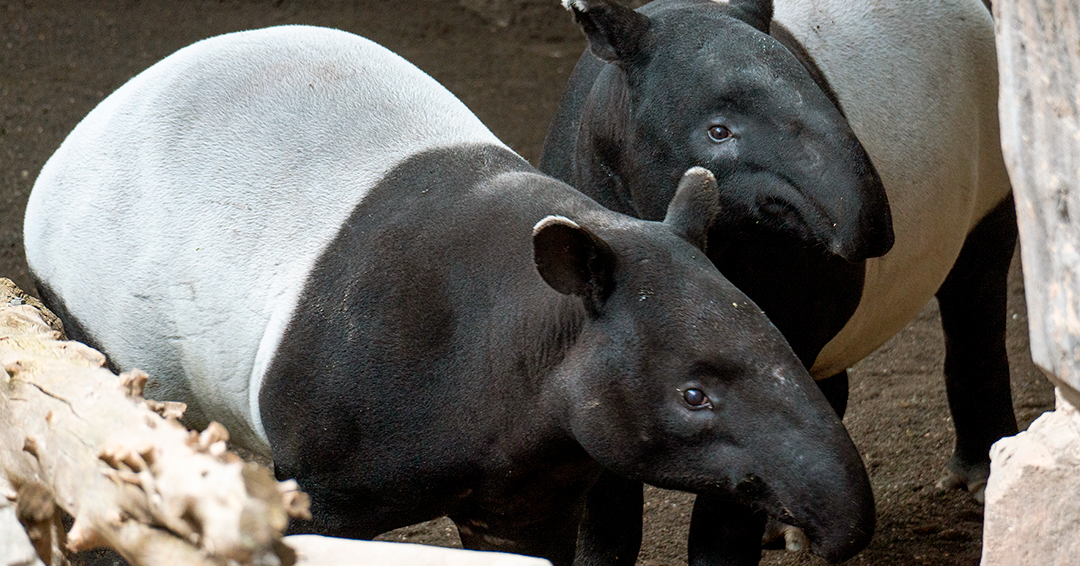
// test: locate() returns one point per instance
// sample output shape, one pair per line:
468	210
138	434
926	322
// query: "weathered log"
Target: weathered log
76	437
16	549
1038	45
81	439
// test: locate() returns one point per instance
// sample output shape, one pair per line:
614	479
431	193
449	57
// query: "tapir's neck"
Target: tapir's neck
553	327
431	287
600	157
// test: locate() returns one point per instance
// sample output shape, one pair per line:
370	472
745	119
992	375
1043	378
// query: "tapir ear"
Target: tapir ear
757	13
695	206
574	261
616	33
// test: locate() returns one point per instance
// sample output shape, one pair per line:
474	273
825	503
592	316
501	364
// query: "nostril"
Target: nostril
751	486
775	205
781	213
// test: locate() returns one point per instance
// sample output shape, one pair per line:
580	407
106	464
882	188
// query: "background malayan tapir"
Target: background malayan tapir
775	100
311	241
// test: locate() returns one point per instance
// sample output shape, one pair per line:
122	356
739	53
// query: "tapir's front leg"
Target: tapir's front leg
553	537
724	534
610	533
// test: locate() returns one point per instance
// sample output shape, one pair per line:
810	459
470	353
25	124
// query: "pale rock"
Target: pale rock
1032	512
314	550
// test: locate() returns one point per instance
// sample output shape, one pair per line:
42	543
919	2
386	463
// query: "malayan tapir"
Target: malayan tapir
838	131
309	240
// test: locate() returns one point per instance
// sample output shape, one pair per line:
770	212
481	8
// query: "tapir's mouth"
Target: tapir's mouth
755	495
841	225
787	218
802	222
839	550
826	542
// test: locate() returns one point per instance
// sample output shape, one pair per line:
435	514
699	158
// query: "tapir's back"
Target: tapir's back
215	179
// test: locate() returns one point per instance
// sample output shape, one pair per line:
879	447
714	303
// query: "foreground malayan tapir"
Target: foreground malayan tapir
311	241
684	83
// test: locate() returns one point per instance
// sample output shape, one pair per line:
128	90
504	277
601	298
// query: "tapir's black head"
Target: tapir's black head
680	381
696	82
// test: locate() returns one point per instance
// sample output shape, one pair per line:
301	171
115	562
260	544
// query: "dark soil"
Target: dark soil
59	58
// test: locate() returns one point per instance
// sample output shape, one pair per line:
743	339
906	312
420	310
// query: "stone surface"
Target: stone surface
1032	506
312	550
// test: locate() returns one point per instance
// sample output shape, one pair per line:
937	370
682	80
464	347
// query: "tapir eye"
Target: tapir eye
720	133
697	399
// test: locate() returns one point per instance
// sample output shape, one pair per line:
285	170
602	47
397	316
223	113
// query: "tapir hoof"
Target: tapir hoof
778	535
971	477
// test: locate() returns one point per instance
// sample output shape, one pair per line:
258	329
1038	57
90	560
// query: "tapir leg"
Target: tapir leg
973	312
724	534
835	389
553	539
610	533
721	533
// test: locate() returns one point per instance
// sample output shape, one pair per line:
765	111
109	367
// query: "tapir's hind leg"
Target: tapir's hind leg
973	312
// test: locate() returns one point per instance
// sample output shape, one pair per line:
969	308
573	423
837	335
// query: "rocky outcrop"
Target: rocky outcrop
1032	503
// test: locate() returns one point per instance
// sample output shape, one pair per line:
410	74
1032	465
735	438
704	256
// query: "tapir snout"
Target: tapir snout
712	400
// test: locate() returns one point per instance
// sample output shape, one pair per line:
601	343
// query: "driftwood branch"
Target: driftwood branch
76	437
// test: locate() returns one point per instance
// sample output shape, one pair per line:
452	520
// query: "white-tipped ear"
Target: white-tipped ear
616	33
573	260
553	219
695	205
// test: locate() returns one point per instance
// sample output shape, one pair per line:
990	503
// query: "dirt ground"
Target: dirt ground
59	58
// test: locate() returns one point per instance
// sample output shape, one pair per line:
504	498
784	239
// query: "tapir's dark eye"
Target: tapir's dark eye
720	133
696	398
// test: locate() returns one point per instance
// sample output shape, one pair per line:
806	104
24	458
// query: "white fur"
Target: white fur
208	185
553	219
918	81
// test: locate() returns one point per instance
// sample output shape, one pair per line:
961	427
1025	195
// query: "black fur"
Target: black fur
622	129
615	35
430	370
793	168
973	311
